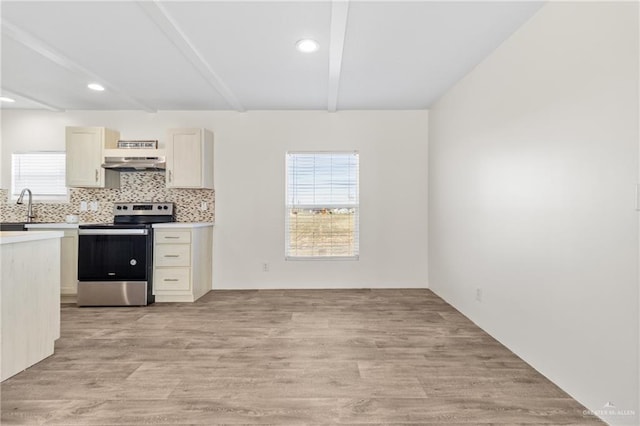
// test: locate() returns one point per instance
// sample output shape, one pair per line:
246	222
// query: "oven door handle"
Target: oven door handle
113	232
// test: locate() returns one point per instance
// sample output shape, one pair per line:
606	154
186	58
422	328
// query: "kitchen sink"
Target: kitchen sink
12	226
19	226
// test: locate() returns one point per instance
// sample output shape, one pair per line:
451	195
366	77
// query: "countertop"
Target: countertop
174	225
36	225
10	237
64	225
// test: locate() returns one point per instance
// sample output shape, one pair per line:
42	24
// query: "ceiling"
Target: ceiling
240	55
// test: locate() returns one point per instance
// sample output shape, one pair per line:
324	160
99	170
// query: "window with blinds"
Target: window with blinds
322	208
43	172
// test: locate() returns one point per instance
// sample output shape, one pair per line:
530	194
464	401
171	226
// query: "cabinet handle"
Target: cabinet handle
171	238
170	176
171	255
170	279
96	175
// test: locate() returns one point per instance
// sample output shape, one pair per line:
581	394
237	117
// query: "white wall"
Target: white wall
249	178
533	164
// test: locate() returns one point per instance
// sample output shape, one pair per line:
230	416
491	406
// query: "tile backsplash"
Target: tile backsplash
135	186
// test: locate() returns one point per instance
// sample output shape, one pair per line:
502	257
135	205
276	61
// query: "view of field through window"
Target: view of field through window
322	232
322	205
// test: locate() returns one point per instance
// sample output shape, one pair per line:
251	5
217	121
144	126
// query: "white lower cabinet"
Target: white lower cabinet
69	263
68	257
182	263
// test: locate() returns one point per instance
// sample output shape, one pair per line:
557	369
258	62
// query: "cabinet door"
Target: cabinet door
84	156
68	259
69	263
184	158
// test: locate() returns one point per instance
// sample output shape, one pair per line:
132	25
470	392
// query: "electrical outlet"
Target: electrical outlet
83	206
204	206
478	295
93	206
265	267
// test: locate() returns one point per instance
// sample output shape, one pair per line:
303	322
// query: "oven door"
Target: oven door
114	267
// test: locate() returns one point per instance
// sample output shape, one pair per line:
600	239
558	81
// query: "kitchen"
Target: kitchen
403	165
118	199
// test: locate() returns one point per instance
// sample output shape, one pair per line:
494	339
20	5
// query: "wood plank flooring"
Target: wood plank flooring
286	357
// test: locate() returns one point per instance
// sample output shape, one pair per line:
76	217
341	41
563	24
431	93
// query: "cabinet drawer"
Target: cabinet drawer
173	255
171	279
172	236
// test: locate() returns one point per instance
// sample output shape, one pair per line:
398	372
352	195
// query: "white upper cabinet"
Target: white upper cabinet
84	147
189	158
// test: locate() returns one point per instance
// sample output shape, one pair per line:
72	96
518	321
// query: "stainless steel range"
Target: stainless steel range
115	260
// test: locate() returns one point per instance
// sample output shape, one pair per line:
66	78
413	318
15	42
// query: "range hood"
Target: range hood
134	160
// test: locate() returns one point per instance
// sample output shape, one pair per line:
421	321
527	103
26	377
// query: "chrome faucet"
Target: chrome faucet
30	214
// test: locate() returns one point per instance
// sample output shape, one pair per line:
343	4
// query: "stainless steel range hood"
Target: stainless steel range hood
134	160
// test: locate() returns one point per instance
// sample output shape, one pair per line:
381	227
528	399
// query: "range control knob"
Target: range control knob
119	208
165	207
159	207
125	207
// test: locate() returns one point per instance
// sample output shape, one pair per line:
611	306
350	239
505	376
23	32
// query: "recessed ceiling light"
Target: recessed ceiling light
306	45
95	86
5	99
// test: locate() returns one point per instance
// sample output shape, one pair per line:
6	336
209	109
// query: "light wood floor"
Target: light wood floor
285	358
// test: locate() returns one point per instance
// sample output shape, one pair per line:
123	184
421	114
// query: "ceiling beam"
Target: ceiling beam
161	17
40	47
339	14
13	94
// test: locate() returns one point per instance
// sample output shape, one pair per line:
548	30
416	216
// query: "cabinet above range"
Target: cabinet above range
94	159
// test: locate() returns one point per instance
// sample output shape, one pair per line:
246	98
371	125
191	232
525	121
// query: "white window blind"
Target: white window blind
322	210
43	172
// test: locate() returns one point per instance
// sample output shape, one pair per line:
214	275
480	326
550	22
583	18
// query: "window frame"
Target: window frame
356	207
14	192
